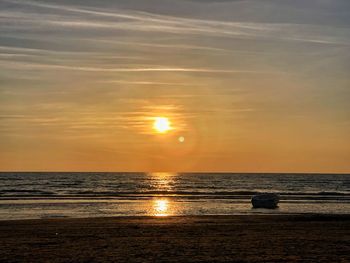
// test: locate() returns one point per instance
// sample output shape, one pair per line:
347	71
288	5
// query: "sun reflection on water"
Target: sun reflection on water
161	207
162	183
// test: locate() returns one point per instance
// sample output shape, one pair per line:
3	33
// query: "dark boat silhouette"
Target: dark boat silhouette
267	200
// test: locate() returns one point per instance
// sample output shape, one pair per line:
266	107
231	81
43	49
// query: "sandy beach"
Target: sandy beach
292	238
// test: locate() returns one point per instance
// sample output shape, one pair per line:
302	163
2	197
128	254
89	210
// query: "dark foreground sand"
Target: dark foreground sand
178	239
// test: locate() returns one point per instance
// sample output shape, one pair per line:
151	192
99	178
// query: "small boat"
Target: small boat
268	200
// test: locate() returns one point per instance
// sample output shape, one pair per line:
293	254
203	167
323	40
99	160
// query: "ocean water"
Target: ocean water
50	195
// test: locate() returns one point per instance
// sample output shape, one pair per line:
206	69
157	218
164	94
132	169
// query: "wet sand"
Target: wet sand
312	238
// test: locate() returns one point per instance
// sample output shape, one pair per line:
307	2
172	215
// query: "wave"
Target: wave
6	191
223	193
17	193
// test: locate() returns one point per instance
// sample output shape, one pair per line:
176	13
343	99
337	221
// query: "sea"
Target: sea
33	195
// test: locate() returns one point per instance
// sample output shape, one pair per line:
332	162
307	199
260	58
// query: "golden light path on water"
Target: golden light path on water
162	206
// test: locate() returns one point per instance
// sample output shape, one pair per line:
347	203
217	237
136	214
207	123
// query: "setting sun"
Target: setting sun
162	124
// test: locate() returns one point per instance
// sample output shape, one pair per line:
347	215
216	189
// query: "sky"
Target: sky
246	85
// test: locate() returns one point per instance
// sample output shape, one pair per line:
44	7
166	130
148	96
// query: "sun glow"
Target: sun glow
162	124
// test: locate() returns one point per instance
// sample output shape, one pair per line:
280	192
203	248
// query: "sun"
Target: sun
162	124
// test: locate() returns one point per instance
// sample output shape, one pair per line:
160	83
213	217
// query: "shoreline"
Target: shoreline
285	216
242	238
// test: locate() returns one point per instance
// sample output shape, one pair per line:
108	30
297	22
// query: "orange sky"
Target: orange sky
258	91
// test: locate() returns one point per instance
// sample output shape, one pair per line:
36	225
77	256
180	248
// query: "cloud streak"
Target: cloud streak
33	66
129	20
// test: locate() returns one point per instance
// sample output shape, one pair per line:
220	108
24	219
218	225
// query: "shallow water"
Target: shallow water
46	195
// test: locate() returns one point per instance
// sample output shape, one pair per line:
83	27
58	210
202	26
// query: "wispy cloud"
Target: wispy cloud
147	83
34	66
126	20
